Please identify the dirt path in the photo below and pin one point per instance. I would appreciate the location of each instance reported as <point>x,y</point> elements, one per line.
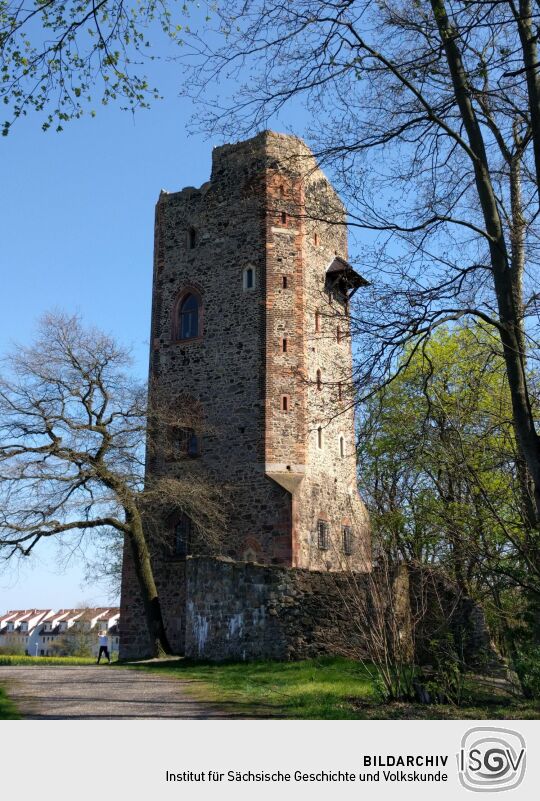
<point>84,693</point>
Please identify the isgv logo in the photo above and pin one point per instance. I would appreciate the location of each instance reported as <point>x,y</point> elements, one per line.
<point>491,759</point>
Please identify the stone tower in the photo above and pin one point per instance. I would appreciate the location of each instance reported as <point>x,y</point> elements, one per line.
<point>250,326</point>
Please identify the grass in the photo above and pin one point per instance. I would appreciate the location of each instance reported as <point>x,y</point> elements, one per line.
<point>8,710</point>
<point>311,689</point>
<point>325,689</point>
<point>317,689</point>
<point>15,659</point>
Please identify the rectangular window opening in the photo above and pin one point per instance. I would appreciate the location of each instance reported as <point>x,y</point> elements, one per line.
<point>347,540</point>
<point>284,282</point>
<point>284,345</point>
<point>323,537</point>
<point>183,532</point>
<point>284,403</point>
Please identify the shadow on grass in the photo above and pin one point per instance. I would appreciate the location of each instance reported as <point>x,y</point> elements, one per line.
<point>310,689</point>
<point>327,688</point>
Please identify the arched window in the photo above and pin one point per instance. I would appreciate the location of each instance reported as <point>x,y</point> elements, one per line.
<point>191,238</point>
<point>183,534</point>
<point>188,322</point>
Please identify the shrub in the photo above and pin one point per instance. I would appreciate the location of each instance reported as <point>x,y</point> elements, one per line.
<point>527,666</point>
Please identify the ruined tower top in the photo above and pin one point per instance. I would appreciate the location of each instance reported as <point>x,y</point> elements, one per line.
<point>250,318</point>
<point>250,324</point>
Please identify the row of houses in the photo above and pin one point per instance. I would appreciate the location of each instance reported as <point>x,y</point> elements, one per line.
<point>45,632</point>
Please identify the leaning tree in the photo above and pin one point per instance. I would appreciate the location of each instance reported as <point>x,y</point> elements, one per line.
<point>75,432</point>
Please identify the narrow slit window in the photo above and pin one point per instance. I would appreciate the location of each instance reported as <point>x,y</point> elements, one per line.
<point>338,334</point>
<point>347,540</point>
<point>316,239</point>
<point>183,532</point>
<point>281,190</point>
<point>284,345</point>
<point>284,218</point>
<point>319,437</point>
<point>284,403</point>
<point>341,447</point>
<point>249,278</point>
<point>285,282</point>
<point>317,322</point>
<point>192,238</point>
<point>319,380</point>
<point>323,535</point>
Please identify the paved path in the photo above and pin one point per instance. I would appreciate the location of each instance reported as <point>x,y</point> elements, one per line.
<point>84,693</point>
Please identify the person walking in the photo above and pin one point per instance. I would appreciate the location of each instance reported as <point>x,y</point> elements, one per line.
<point>103,647</point>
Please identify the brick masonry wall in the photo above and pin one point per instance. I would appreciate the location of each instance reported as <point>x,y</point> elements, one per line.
<point>320,468</point>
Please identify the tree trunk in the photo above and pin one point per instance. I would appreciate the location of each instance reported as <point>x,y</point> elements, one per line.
<point>143,568</point>
<point>528,38</point>
<point>505,279</point>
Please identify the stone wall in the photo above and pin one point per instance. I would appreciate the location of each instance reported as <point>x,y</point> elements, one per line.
<point>243,611</point>
<point>440,609</point>
<point>238,611</point>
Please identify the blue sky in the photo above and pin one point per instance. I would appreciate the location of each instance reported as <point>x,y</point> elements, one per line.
<point>77,214</point>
